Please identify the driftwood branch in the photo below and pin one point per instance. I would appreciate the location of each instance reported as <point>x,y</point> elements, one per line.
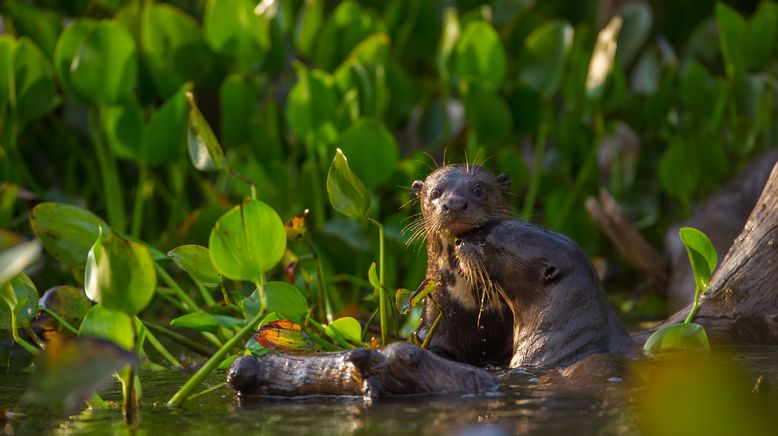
<point>741,305</point>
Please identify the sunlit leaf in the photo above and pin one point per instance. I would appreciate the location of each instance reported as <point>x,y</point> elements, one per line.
<point>15,259</point>
<point>196,261</point>
<point>66,231</point>
<point>401,299</point>
<point>282,298</point>
<point>104,67</point>
<point>372,152</point>
<point>204,150</point>
<point>348,195</point>
<point>480,55</point>
<point>603,55</point>
<point>373,276</point>
<point>406,300</point>
<point>120,274</point>
<point>311,104</point>
<point>346,328</point>
<point>545,55</point>
<point>232,29</point>
<point>247,241</point>
<point>20,296</point>
<point>284,335</point>
<point>677,337</point>
<point>702,255</point>
<point>206,322</point>
<point>113,325</point>
<point>67,46</point>
<point>309,23</point>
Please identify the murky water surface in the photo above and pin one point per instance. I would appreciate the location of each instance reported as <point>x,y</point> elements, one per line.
<point>525,404</point>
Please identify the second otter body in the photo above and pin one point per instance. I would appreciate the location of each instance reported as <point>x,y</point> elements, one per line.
<point>474,328</point>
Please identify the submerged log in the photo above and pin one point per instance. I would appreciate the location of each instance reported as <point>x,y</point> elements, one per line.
<point>397,369</point>
<point>741,305</point>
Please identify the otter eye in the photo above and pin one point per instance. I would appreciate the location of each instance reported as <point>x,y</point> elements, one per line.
<point>435,193</point>
<point>477,190</point>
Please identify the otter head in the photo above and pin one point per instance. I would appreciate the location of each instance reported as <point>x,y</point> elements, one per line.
<point>458,198</point>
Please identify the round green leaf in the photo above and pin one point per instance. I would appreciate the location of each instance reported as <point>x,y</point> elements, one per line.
<point>282,298</point>
<point>702,255</point>
<point>347,193</point>
<point>114,325</point>
<point>677,337</point>
<point>233,29</point>
<point>372,151</point>
<point>480,55</point>
<point>545,54</point>
<point>19,295</point>
<point>105,65</point>
<point>66,231</point>
<point>247,241</point>
<point>346,328</point>
<point>36,92</point>
<point>120,274</point>
<point>13,260</point>
<point>196,261</point>
<point>68,302</point>
<point>123,127</point>
<point>67,46</point>
<point>164,134</point>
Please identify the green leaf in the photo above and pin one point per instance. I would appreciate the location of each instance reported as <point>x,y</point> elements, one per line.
<point>15,259</point>
<point>282,298</point>
<point>603,55</point>
<point>346,328</point>
<point>123,128</point>
<point>480,55</point>
<point>207,322</point>
<point>113,325</point>
<point>732,27</point>
<point>68,302</point>
<point>347,193</point>
<point>104,68</point>
<point>36,92</point>
<point>309,23</point>
<point>486,113</point>
<point>703,93</point>
<point>545,55</point>
<point>407,300</point>
<point>67,46</point>
<point>448,42</point>
<point>39,24</point>
<point>7,46</point>
<point>232,29</point>
<point>348,24</point>
<point>66,231</point>
<point>196,261</point>
<point>677,337</point>
<point>20,296</point>
<point>311,104</point>
<point>238,101</point>
<point>373,276</point>
<point>120,274</point>
<point>762,36</point>
<point>247,241</point>
<point>372,152</point>
<point>702,255</point>
<point>638,20</point>
<point>204,150</point>
<point>164,134</point>
<point>401,298</point>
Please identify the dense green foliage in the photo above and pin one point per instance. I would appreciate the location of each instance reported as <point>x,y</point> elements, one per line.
<point>198,128</point>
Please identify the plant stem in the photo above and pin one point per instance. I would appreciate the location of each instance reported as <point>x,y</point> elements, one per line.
<point>140,197</point>
<point>537,166</point>
<point>161,349</point>
<point>695,306</point>
<point>205,294</point>
<point>178,399</point>
<point>114,199</point>
<point>179,338</point>
<point>189,304</point>
<point>367,324</point>
<point>382,294</point>
<point>211,389</point>
<point>325,309</point>
<point>61,321</point>
<point>20,340</point>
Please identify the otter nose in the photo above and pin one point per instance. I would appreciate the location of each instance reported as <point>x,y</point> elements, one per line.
<point>454,204</point>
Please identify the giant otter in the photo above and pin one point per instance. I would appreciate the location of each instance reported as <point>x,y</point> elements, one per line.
<point>560,312</point>
<point>475,328</point>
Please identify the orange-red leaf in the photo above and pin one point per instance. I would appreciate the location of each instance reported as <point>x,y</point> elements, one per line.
<point>285,335</point>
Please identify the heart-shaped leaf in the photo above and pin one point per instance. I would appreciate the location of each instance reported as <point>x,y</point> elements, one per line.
<point>113,325</point>
<point>346,328</point>
<point>282,298</point>
<point>247,241</point>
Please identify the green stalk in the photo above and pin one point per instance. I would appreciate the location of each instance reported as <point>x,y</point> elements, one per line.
<point>114,198</point>
<point>537,166</point>
<point>161,349</point>
<point>59,319</point>
<point>179,338</point>
<point>20,340</point>
<point>205,294</point>
<point>318,209</point>
<point>189,304</point>
<point>383,305</point>
<point>178,399</point>
<point>325,309</point>
<point>695,305</point>
<point>323,329</point>
<point>140,198</point>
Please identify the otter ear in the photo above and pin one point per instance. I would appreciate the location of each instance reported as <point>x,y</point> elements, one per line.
<point>504,180</point>
<point>416,187</point>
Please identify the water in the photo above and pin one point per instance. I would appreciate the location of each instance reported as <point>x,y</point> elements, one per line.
<point>525,405</point>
